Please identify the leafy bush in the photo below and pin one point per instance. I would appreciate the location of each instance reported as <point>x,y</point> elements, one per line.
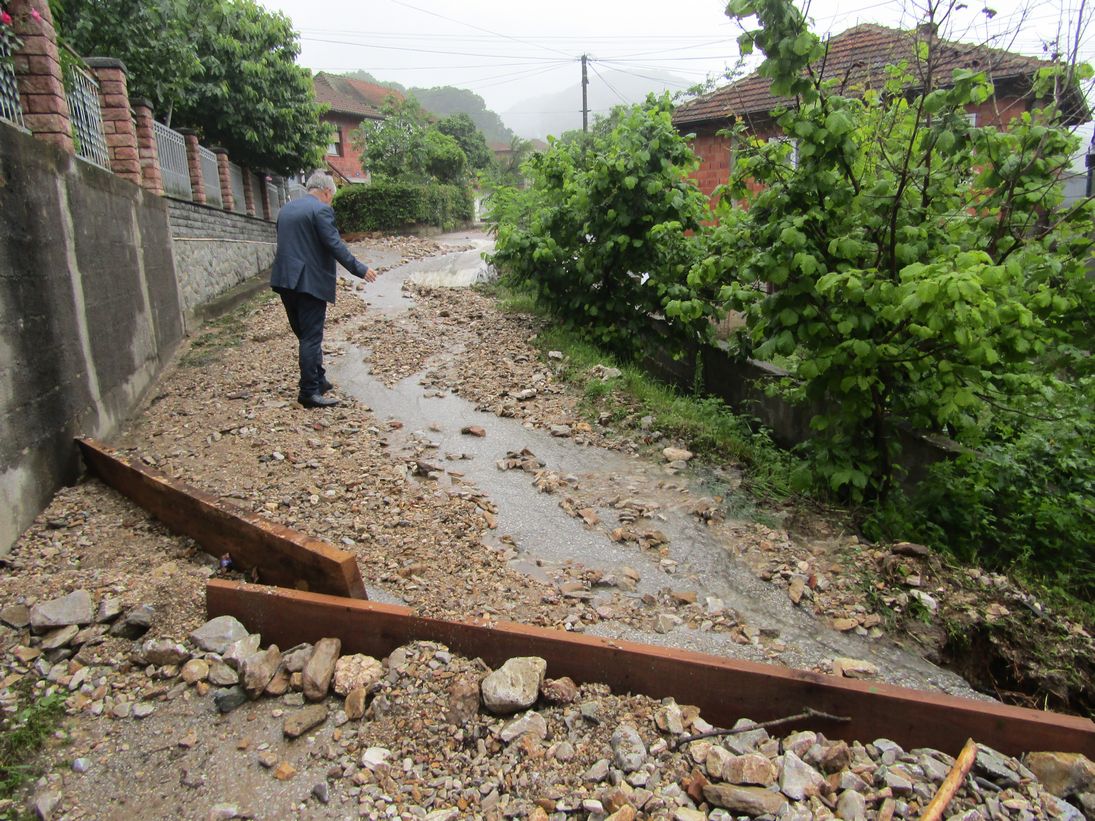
<point>392,206</point>
<point>602,233</point>
<point>1025,500</point>
<point>918,268</point>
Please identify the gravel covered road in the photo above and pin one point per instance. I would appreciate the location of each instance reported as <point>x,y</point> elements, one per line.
<point>460,473</point>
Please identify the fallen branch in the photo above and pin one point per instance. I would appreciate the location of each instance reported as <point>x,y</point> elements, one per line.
<point>951,784</point>
<point>809,712</point>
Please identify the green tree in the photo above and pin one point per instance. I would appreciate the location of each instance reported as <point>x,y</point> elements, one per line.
<point>152,37</point>
<point>471,140</point>
<point>605,233</point>
<point>405,146</point>
<point>250,96</point>
<point>919,268</point>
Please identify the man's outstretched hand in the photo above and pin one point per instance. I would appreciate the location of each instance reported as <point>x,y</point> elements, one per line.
<point>369,275</point>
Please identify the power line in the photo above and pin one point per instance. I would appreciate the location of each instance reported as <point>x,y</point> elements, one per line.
<point>477,28</point>
<point>613,88</point>
<point>431,50</point>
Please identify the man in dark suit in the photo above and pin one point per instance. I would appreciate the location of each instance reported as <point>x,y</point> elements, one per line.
<point>305,277</point>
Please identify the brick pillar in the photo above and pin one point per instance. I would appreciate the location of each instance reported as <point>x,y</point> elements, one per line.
<point>38,74</point>
<point>267,212</point>
<point>249,191</point>
<point>118,127</point>
<point>194,166</point>
<point>228,200</point>
<point>147,150</point>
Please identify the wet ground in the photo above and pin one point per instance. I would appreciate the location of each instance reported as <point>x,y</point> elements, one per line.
<point>539,534</point>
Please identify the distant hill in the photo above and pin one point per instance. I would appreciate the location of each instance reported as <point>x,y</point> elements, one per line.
<point>537,117</point>
<point>445,100</point>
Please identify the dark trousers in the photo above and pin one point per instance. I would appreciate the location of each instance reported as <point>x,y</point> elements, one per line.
<point>306,317</point>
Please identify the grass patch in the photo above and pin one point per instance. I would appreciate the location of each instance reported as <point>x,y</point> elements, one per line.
<point>711,430</point>
<point>22,736</point>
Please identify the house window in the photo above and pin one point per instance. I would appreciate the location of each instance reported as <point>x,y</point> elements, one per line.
<point>335,148</point>
<point>971,117</point>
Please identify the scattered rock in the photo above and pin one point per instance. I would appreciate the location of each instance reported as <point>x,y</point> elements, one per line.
<point>319,670</point>
<point>744,800</point>
<point>798,780</point>
<point>676,454</point>
<point>559,690</point>
<point>163,652</point>
<point>514,686</point>
<point>221,675</point>
<point>16,615</point>
<point>354,705</point>
<point>463,700</point>
<point>135,623</point>
<point>352,672</point>
<point>241,649</point>
<point>75,608</point>
<point>228,699</point>
<point>628,749</point>
<point>473,430</point>
<point>531,722</point>
<point>854,668</point>
<point>301,721</point>
<point>258,669</point>
<point>1063,774</point>
<point>217,635</point>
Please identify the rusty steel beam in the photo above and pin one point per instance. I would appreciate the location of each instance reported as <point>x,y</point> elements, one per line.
<point>724,689</point>
<point>276,554</point>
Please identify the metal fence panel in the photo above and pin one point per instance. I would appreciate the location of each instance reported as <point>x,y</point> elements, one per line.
<point>86,115</point>
<point>174,170</point>
<point>256,192</point>
<point>211,177</point>
<point>10,109</point>
<point>275,199</point>
<point>235,173</point>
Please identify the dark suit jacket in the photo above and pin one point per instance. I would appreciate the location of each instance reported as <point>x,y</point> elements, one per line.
<point>308,246</point>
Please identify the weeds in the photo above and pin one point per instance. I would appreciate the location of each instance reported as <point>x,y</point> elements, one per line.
<point>221,334</point>
<point>22,735</point>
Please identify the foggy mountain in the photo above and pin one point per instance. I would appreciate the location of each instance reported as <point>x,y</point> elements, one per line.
<point>561,111</point>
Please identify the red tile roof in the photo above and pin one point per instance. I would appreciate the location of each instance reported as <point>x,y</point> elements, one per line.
<point>859,56</point>
<point>346,95</point>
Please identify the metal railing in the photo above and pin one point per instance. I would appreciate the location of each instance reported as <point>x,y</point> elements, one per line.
<point>87,117</point>
<point>275,199</point>
<point>211,177</point>
<point>10,109</point>
<point>235,173</point>
<point>174,169</point>
<point>296,190</point>
<point>256,192</point>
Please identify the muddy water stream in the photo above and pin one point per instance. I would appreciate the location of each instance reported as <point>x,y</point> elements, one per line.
<point>700,556</point>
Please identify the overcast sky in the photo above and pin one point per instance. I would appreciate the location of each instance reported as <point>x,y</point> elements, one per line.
<point>507,51</point>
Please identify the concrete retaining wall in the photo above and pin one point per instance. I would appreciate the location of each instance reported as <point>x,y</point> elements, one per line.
<point>216,250</point>
<point>90,312</point>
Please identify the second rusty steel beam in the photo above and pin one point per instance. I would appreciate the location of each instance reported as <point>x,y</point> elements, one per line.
<point>276,554</point>
<point>724,689</point>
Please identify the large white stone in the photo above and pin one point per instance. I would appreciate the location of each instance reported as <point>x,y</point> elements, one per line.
<point>513,686</point>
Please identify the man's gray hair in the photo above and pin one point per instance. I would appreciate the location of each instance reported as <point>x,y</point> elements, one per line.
<point>319,181</point>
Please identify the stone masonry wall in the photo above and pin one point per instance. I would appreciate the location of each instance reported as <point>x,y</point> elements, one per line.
<point>216,250</point>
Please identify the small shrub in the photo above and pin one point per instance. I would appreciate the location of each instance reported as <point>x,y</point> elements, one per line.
<point>386,205</point>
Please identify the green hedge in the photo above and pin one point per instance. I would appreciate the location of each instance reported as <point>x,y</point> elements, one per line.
<point>391,206</point>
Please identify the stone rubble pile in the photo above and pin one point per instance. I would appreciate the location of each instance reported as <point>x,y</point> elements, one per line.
<point>425,733</point>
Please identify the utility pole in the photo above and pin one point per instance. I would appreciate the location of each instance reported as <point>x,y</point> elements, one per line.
<point>585,95</point>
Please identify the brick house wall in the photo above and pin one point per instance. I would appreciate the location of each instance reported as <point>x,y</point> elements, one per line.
<point>348,163</point>
<point>715,154</point>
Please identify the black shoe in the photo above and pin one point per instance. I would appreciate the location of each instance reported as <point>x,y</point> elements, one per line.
<point>326,386</point>
<point>316,400</point>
